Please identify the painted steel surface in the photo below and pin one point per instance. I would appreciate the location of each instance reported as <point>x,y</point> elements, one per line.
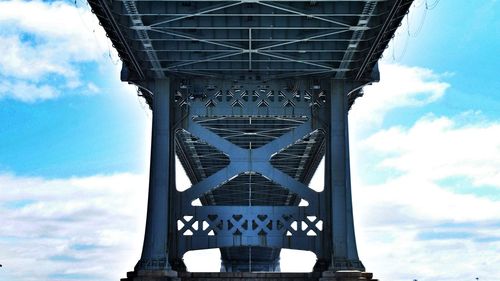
<point>250,95</point>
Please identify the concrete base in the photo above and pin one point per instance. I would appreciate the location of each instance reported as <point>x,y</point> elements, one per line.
<point>341,275</point>
<point>151,275</point>
<point>346,275</point>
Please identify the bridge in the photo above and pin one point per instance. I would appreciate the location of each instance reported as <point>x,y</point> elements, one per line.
<point>250,95</point>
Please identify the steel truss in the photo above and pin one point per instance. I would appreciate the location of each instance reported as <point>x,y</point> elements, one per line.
<point>250,150</point>
<point>250,95</point>
<point>253,200</point>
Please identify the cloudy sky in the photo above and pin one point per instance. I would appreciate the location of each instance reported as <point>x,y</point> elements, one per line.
<point>74,150</point>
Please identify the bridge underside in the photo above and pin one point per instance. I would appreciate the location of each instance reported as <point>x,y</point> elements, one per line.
<point>256,39</point>
<point>250,95</point>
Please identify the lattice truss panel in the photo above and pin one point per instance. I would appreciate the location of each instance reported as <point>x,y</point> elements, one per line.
<point>265,226</point>
<point>250,151</point>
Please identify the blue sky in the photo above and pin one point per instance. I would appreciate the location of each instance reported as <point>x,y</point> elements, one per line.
<point>74,145</point>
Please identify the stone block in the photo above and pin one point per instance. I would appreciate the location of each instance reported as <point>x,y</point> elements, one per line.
<point>348,274</point>
<point>157,273</point>
<point>367,275</point>
<point>342,275</point>
<point>330,274</point>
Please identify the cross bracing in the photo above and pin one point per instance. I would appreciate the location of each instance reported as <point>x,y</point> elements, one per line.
<point>250,189</point>
<point>229,124</point>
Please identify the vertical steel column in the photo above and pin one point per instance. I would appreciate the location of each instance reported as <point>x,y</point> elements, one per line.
<point>154,252</point>
<point>344,252</point>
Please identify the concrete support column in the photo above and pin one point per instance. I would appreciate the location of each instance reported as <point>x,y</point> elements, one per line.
<point>154,252</point>
<point>344,254</point>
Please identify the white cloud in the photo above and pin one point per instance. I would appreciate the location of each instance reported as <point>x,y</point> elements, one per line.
<point>93,87</point>
<point>409,200</point>
<point>74,31</point>
<point>46,43</point>
<point>27,92</point>
<point>421,208</point>
<point>399,86</point>
<point>30,60</point>
<point>411,228</point>
<point>437,148</point>
<point>49,226</point>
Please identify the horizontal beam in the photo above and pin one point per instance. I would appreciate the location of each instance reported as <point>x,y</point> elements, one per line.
<point>245,14</point>
<point>256,70</point>
<point>244,27</point>
<point>239,60</point>
<point>254,40</point>
<point>251,1</point>
<point>300,13</point>
<point>267,51</point>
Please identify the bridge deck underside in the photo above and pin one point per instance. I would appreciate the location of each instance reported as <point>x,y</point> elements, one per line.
<point>268,39</point>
